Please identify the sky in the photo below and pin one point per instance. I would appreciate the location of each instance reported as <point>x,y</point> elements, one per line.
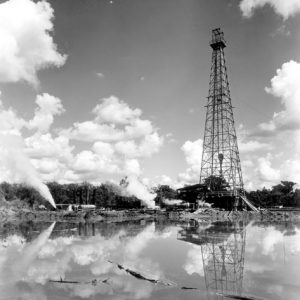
<point>95,90</point>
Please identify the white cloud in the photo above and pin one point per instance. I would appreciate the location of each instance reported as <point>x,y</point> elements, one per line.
<point>111,153</point>
<point>85,161</point>
<point>281,134</point>
<point>253,146</point>
<point>10,123</point>
<point>48,107</point>
<point>89,162</point>
<point>290,169</point>
<point>46,146</point>
<point>285,85</point>
<point>127,148</point>
<point>265,170</point>
<point>149,145</point>
<point>138,128</point>
<point>193,152</point>
<point>132,167</point>
<point>193,157</point>
<point>116,150</point>
<point>45,165</point>
<point>284,8</point>
<point>102,148</point>
<point>120,139</point>
<point>116,111</point>
<point>51,156</point>
<point>90,131</point>
<point>25,41</point>
<point>164,180</point>
<point>15,166</point>
<point>114,121</point>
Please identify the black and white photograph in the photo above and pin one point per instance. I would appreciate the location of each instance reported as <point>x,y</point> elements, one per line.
<point>149,149</point>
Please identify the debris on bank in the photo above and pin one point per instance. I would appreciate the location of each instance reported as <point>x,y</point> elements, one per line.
<point>142,277</point>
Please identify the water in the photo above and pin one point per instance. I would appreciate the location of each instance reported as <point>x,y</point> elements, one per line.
<point>87,261</point>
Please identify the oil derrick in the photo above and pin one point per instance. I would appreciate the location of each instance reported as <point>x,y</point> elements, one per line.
<point>221,181</point>
<point>222,249</point>
<point>220,166</point>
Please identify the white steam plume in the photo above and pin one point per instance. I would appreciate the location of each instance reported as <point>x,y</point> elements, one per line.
<point>16,166</point>
<point>139,190</point>
<point>171,201</point>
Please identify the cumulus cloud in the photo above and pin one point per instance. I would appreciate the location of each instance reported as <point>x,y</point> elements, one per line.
<point>47,146</point>
<point>116,111</point>
<point>120,139</point>
<point>193,157</point>
<point>285,85</point>
<point>281,135</point>
<point>102,148</point>
<point>115,121</point>
<point>265,170</point>
<point>193,152</point>
<point>10,123</point>
<point>253,146</point>
<point>25,40</point>
<point>284,8</point>
<point>89,162</point>
<point>149,144</point>
<point>48,107</point>
<point>31,159</point>
<point>119,143</point>
<point>15,164</point>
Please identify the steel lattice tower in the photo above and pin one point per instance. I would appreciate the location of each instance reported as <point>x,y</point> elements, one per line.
<point>220,156</point>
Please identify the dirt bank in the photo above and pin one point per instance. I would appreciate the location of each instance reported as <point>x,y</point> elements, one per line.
<point>11,214</point>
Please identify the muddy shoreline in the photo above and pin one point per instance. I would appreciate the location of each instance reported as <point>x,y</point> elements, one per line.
<point>9,214</point>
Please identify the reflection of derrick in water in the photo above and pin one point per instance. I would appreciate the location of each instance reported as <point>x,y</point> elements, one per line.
<point>222,248</point>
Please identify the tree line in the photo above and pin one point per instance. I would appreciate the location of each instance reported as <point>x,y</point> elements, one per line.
<point>109,195</point>
<point>282,194</point>
<point>106,195</point>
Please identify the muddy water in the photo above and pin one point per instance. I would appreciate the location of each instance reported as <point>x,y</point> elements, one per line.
<point>146,260</point>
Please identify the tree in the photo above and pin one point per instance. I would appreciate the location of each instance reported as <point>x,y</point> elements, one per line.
<point>165,191</point>
<point>216,183</point>
<point>285,187</point>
